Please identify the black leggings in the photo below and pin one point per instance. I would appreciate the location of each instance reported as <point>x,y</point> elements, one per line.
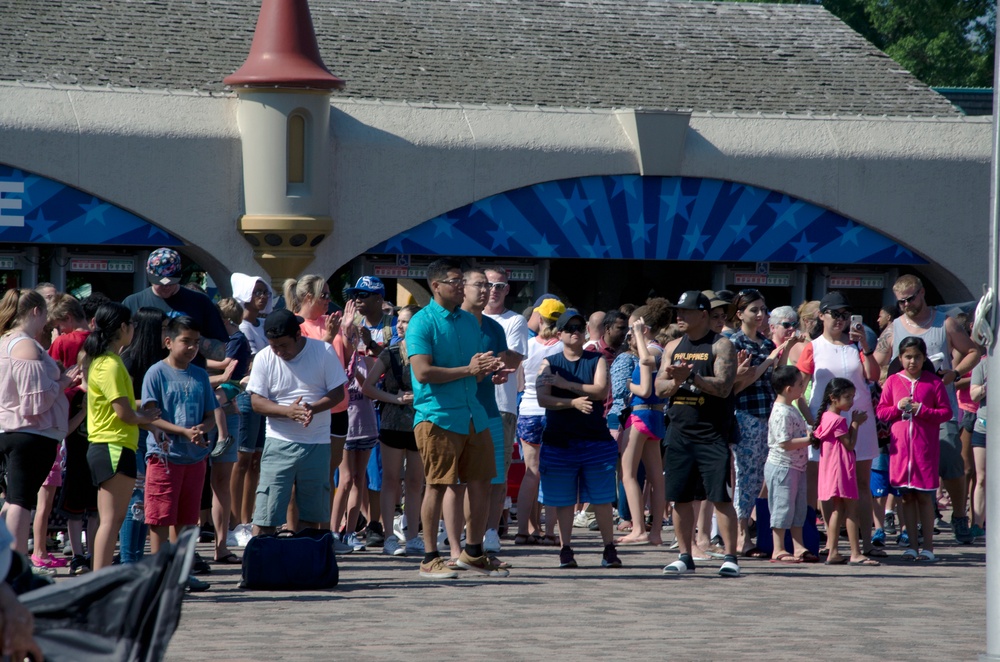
<point>28,459</point>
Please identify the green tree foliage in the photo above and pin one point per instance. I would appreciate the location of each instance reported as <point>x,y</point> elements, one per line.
<point>944,43</point>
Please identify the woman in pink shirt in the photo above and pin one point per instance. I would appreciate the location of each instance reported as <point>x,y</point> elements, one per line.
<point>34,414</point>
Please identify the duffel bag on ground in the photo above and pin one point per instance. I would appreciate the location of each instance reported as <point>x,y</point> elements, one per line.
<point>290,562</point>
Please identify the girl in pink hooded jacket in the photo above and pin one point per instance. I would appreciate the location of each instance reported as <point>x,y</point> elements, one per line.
<point>914,401</point>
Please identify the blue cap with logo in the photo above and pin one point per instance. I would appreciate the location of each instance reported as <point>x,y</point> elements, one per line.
<point>371,284</point>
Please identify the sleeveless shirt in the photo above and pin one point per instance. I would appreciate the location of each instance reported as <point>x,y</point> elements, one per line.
<point>563,426</point>
<point>693,414</point>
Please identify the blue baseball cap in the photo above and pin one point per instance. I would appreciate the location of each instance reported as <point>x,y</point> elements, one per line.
<point>372,284</point>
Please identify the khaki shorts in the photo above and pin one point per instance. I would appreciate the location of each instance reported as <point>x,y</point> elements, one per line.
<point>449,457</point>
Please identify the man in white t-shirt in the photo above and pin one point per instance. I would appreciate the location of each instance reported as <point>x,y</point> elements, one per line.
<point>294,382</point>
<point>516,329</point>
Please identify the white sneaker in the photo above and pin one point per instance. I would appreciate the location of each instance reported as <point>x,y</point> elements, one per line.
<point>415,547</point>
<point>351,540</point>
<point>491,541</point>
<point>392,548</point>
<point>583,519</point>
<point>399,526</point>
<point>231,539</point>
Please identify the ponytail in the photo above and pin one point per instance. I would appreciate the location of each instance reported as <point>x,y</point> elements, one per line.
<point>297,290</point>
<point>16,305</point>
<point>107,325</point>
<point>837,387</point>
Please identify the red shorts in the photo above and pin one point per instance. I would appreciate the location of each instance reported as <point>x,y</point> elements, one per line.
<point>173,492</point>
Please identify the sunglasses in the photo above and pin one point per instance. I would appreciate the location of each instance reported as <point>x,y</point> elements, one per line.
<point>361,296</point>
<point>907,300</point>
<point>790,325</point>
<point>261,293</point>
<point>497,286</point>
<point>325,296</point>
<point>574,328</point>
<point>839,314</point>
<point>750,293</point>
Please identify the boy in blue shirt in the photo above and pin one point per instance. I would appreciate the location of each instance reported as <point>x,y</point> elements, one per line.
<point>175,469</point>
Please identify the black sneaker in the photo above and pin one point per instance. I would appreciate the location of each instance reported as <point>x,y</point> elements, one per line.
<point>566,559</point>
<point>890,523</point>
<point>960,527</point>
<point>610,559</point>
<point>79,565</point>
<point>375,535</point>
<point>593,526</point>
<point>200,566</point>
<point>717,541</point>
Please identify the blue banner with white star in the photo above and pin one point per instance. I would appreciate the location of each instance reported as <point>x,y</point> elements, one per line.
<point>649,218</point>
<point>38,210</point>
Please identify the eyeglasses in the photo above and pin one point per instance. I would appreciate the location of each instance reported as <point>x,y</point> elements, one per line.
<point>497,286</point>
<point>454,282</point>
<point>790,325</point>
<point>573,328</point>
<point>479,286</point>
<point>362,295</point>
<point>907,300</point>
<point>839,314</point>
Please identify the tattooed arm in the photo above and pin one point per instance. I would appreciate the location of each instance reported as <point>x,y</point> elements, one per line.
<point>721,384</point>
<point>212,349</point>
<point>883,349</point>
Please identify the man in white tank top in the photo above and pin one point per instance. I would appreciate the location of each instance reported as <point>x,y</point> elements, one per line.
<point>943,336</point>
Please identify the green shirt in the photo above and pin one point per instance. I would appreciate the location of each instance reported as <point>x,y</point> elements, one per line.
<point>450,339</point>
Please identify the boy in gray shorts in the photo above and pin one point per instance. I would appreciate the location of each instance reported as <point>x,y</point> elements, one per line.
<point>785,469</point>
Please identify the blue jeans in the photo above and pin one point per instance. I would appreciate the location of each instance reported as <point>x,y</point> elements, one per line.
<point>132,537</point>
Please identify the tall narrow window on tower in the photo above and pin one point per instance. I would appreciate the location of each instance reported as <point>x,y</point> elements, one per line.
<point>296,148</point>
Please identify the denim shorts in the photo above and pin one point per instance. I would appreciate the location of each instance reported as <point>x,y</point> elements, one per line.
<point>583,472</point>
<point>284,464</point>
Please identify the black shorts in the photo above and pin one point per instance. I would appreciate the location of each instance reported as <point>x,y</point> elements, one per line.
<point>403,440</point>
<point>697,471</point>
<point>106,460</point>
<point>338,424</point>
<point>78,494</point>
<point>28,461</point>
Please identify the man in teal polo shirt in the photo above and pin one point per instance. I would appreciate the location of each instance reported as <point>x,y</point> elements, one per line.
<point>445,346</point>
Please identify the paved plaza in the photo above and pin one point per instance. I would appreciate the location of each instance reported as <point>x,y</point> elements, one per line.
<point>382,610</point>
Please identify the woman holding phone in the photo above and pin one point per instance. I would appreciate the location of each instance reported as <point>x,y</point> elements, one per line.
<point>842,350</point>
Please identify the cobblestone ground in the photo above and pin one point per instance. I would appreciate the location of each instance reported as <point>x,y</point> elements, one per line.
<point>382,610</point>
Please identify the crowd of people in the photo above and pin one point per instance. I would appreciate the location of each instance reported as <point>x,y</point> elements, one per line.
<point>396,428</point>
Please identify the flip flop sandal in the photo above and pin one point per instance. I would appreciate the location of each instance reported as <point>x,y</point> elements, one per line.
<point>229,559</point>
<point>877,553</point>
<point>754,553</point>
<point>786,558</point>
<point>622,542</point>
<point>841,561</point>
<point>867,562</point>
<point>809,557</point>
<point>524,539</point>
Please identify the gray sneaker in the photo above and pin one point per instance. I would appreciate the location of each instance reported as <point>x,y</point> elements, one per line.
<point>392,547</point>
<point>351,540</point>
<point>339,547</point>
<point>960,527</point>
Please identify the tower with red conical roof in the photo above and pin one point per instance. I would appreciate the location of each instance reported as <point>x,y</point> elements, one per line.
<point>284,118</point>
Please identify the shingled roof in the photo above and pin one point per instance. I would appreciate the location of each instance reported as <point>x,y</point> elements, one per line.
<point>704,56</point>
